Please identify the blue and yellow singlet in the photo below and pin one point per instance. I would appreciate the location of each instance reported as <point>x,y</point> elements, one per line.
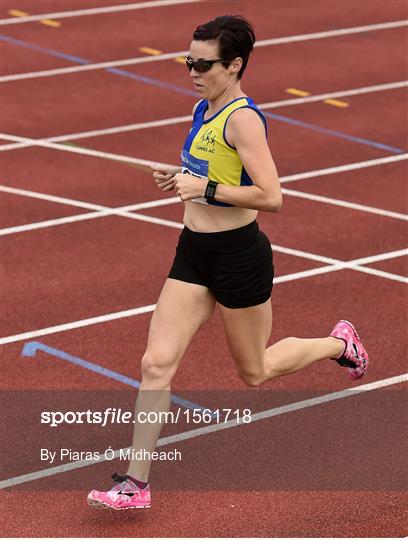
<point>207,154</point>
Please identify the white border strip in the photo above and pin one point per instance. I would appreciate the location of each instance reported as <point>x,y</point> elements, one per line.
<point>97,11</point>
<point>193,433</point>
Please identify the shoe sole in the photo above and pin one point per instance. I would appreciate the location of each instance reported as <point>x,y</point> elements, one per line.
<point>365,352</point>
<point>99,505</point>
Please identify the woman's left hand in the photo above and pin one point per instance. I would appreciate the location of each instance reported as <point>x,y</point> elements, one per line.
<point>189,187</point>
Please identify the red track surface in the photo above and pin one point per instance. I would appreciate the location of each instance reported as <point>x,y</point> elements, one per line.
<point>330,470</point>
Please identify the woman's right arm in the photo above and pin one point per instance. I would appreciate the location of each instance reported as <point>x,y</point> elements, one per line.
<point>163,176</point>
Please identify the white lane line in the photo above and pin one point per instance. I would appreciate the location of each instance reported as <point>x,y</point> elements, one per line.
<point>148,163</point>
<point>186,435</point>
<point>330,95</point>
<point>103,210</point>
<point>78,324</point>
<point>345,204</point>
<point>85,151</point>
<point>344,168</point>
<point>183,119</point>
<point>103,132</point>
<point>168,56</point>
<point>337,265</point>
<point>96,11</point>
<point>332,33</point>
<point>152,204</point>
<point>163,202</point>
<point>91,67</point>
<point>79,217</point>
<point>333,266</point>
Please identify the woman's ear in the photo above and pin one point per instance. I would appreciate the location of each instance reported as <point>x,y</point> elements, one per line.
<point>236,65</point>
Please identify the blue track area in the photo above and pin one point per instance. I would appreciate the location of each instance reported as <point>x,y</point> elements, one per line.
<point>31,348</point>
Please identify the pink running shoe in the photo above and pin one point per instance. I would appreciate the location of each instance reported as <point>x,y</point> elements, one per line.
<point>354,357</point>
<point>124,495</point>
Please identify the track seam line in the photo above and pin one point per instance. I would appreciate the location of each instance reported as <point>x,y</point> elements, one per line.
<point>186,435</point>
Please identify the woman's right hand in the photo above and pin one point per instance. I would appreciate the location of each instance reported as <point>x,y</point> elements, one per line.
<point>163,176</point>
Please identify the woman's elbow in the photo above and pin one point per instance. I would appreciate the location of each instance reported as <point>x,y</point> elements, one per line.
<point>275,203</point>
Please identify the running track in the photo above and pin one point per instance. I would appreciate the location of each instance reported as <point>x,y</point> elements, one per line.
<point>88,240</point>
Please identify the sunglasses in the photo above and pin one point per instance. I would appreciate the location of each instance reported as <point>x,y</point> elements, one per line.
<point>201,65</point>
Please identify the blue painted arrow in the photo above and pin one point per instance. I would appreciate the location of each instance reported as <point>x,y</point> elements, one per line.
<point>31,348</point>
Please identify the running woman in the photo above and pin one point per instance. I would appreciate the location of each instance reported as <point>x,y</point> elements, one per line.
<point>227,175</point>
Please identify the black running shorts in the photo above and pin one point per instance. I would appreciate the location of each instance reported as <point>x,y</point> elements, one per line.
<point>236,265</point>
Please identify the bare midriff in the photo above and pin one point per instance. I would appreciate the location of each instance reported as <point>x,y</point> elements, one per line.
<point>209,218</point>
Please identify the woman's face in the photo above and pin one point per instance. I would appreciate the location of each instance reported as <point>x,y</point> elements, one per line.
<point>214,82</point>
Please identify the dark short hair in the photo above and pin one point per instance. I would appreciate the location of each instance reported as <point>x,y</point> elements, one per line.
<point>235,37</point>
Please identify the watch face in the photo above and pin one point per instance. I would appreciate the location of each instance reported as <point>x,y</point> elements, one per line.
<point>211,191</point>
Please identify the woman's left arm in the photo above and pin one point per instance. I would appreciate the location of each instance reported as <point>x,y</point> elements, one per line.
<point>246,132</point>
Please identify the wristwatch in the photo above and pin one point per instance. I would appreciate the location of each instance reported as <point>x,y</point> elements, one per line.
<point>210,190</point>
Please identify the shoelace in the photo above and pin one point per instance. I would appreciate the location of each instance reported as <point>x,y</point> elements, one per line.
<point>121,483</point>
<point>118,479</point>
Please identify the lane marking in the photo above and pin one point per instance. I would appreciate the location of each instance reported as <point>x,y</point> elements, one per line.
<point>344,168</point>
<point>188,118</point>
<point>149,50</point>
<point>160,84</point>
<point>30,350</point>
<point>47,22</point>
<point>334,133</point>
<point>50,22</point>
<point>345,204</point>
<point>297,92</point>
<point>329,95</point>
<point>115,71</point>
<point>168,56</point>
<point>17,13</point>
<point>83,151</point>
<point>96,11</point>
<point>102,211</point>
<point>162,202</point>
<point>333,33</point>
<point>155,52</point>
<point>79,324</point>
<point>212,428</point>
<point>336,103</point>
<point>147,163</point>
<point>333,266</point>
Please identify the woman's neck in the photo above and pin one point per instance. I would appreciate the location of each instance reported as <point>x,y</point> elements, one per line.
<point>228,95</point>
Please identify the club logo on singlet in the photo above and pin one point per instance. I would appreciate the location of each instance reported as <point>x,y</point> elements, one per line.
<point>207,141</point>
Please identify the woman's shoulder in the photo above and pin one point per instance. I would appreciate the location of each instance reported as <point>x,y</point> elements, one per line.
<point>199,105</point>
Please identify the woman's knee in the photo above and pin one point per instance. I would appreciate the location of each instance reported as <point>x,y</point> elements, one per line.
<point>251,377</point>
<point>158,368</point>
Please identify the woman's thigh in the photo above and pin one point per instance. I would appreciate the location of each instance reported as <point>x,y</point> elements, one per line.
<point>247,331</point>
<point>181,310</point>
